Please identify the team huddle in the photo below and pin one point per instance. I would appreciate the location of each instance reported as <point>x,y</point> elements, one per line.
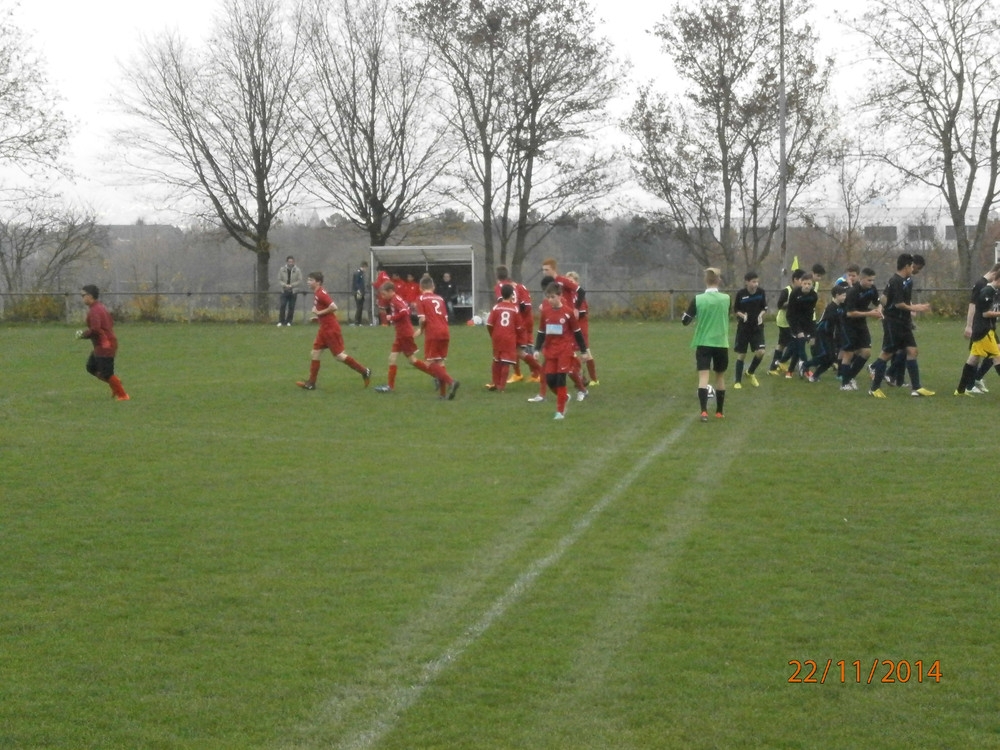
<point>840,339</point>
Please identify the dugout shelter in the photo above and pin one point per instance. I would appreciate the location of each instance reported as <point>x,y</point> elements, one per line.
<point>458,260</point>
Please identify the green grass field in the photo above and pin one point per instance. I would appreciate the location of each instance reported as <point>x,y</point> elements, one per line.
<point>227,561</point>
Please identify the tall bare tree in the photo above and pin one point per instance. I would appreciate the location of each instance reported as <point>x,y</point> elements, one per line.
<point>936,105</point>
<point>530,83</point>
<point>711,152</point>
<point>33,130</point>
<point>220,124</point>
<point>379,146</point>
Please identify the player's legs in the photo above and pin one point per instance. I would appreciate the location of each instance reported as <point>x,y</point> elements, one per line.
<point>557,382</point>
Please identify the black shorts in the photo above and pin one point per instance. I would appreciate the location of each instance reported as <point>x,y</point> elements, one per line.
<point>101,367</point>
<point>784,336</point>
<point>858,337</point>
<point>752,340</point>
<point>896,336</point>
<point>715,358</point>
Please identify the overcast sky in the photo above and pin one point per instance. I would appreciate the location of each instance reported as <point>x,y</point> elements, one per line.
<point>84,42</point>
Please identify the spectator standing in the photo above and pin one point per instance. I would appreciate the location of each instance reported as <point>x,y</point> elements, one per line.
<point>290,279</point>
<point>449,294</point>
<point>359,288</point>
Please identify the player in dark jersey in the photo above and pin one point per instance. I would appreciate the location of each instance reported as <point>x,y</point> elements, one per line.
<point>863,302</point>
<point>829,335</point>
<point>897,328</point>
<point>749,306</point>
<point>801,310</point>
<point>781,321</point>
<point>895,373</point>
<point>984,366</point>
<point>983,337</point>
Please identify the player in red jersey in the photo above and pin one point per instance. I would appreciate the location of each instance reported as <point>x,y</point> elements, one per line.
<point>101,332</point>
<point>570,289</point>
<point>377,284</point>
<point>583,312</point>
<point>573,295</point>
<point>329,335</point>
<point>504,327</point>
<point>558,338</point>
<point>398,313</point>
<point>432,314</point>
<point>522,299</point>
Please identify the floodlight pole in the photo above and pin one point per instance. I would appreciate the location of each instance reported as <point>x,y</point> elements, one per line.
<point>782,151</point>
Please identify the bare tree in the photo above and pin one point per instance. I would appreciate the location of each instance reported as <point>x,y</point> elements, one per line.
<point>860,186</point>
<point>220,124</point>
<point>379,145</point>
<point>530,84</point>
<point>936,105</point>
<point>40,243</point>
<point>33,132</point>
<point>711,152</point>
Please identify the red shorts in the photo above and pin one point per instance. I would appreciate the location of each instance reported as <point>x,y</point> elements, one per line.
<point>436,348</point>
<point>560,363</point>
<point>404,344</point>
<point>505,351</point>
<point>332,340</point>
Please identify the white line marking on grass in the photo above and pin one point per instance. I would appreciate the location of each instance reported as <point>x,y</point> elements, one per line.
<point>402,697</point>
<point>630,604</point>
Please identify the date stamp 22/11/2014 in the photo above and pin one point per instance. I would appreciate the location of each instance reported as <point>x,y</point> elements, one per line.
<point>883,671</point>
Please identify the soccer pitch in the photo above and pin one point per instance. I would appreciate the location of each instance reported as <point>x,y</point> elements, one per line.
<point>228,561</point>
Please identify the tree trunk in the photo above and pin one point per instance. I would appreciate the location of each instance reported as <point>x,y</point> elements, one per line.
<point>262,302</point>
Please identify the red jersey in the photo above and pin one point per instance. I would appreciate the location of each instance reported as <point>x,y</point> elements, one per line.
<point>409,291</point>
<point>380,280</point>
<point>559,327</point>
<point>522,300</point>
<point>504,325</point>
<point>433,313</point>
<point>569,290</point>
<point>398,313</point>
<point>101,331</point>
<point>323,301</point>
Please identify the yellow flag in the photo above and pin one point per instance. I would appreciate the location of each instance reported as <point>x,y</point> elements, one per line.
<point>795,262</point>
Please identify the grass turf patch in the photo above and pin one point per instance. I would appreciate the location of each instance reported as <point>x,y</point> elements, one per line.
<point>230,561</point>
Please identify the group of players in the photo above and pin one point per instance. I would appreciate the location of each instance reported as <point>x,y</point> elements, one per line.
<point>560,337</point>
<point>840,337</point>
